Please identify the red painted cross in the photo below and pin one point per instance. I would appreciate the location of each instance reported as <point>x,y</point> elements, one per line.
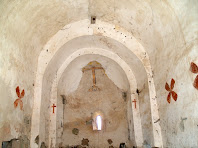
<point>53,107</point>
<point>134,102</point>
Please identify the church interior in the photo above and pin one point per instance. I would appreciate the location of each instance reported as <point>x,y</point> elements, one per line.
<point>99,74</point>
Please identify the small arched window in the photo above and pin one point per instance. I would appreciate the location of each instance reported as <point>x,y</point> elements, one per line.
<point>99,122</point>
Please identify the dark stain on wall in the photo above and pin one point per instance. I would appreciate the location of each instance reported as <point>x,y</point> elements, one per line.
<point>85,142</point>
<point>21,142</point>
<point>75,131</point>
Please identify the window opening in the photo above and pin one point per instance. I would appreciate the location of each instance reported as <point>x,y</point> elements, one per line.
<point>99,122</point>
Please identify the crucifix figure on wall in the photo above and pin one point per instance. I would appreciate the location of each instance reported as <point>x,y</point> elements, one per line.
<point>94,87</point>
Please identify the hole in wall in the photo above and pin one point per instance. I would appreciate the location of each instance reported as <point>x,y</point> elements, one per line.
<point>93,19</point>
<point>122,145</point>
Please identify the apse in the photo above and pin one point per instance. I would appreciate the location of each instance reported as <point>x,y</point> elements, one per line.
<point>96,108</point>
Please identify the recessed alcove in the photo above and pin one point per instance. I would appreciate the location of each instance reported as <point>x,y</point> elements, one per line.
<point>107,103</point>
<point>69,62</point>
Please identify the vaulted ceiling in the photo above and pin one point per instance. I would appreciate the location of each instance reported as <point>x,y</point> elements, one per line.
<point>166,29</point>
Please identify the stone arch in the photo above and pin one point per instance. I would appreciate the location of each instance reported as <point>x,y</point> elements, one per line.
<point>71,31</point>
<point>131,79</point>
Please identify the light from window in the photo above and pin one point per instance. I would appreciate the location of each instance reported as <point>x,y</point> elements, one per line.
<point>99,122</point>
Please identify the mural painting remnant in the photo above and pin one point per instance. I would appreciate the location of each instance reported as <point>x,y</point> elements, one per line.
<point>93,68</point>
<point>171,92</point>
<point>194,69</point>
<point>20,96</point>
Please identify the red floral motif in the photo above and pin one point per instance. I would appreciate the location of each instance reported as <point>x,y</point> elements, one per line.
<point>20,96</point>
<point>194,69</point>
<point>171,92</point>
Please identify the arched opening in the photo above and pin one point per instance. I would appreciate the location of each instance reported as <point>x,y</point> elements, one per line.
<point>46,59</point>
<point>90,111</point>
<point>99,122</point>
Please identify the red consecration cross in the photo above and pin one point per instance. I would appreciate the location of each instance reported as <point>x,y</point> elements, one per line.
<point>170,90</point>
<point>53,107</point>
<point>20,96</point>
<point>134,102</point>
<point>194,69</point>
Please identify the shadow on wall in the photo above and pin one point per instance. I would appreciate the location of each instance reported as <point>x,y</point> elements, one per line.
<point>21,142</point>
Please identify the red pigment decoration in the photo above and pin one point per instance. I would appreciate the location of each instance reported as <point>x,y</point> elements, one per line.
<point>53,107</point>
<point>195,84</point>
<point>171,92</point>
<point>194,69</point>
<point>20,96</point>
<point>134,102</point>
